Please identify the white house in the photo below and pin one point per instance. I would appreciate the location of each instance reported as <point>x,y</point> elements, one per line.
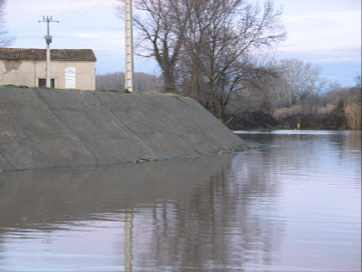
<point>70,68</point>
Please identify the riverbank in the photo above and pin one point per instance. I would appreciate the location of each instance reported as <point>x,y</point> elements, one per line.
<point>336,110</point>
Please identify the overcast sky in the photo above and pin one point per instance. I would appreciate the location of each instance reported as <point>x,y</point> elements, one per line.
<point>324,32</point>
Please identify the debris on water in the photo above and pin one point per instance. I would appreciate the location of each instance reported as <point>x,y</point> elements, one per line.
<point>144,160</point>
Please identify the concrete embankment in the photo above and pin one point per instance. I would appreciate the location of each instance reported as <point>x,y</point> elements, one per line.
<point>59,128</point>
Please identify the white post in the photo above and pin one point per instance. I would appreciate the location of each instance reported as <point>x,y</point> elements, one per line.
<point>129,46</point>
<point>48,40</point>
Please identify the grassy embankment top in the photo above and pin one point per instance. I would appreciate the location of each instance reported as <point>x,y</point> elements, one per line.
<point>26,87</point>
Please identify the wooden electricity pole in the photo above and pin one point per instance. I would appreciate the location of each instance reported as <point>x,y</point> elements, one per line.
<point>129,46</point>
<point>48,40</point>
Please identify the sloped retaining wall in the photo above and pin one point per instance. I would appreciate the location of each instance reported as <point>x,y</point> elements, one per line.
<point>59,128</point>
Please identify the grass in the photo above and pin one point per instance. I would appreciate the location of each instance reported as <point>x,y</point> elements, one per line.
<point>23,86</point>
<point>243,149</point>
<point>114,91</point>
<point>14,86</point>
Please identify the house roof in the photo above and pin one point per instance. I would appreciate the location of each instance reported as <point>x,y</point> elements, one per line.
<point>40,54</point>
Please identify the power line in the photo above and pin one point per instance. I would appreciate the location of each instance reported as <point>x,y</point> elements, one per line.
<point>74,13</point>
<point>70,10</point>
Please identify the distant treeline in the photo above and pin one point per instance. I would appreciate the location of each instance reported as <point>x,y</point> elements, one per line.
<point>289,92</point>
<point>337,109</point>
<point>115,81</point>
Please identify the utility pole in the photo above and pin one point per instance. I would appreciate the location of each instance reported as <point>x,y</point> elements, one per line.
<point>48,40</point>
<point>129,46</point>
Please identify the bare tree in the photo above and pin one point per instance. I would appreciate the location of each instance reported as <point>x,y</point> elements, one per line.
<point>357,81</point>
<point>162,25</point>
<point>287,82</point>
<point>302,79</point>
<point>297,80</point>
<point>220,37</point>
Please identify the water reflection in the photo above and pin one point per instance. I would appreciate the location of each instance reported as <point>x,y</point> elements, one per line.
<point>128,235</point>
<point>35,199</point>
<point>293,204</point>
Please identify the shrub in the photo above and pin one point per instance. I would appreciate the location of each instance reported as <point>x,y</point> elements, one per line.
<point>14,86</point>
<point>352,111</point>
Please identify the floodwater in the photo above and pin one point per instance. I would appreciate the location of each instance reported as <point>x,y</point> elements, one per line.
<point>292,204</point>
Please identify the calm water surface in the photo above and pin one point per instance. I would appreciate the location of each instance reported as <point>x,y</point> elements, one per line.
<point>293,204</point>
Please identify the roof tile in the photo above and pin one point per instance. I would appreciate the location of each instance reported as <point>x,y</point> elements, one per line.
<point>40,54</point>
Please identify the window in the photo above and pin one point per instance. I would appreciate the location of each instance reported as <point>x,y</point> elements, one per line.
<point>42,82</point>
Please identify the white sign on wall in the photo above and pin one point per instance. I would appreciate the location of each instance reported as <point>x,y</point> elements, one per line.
<point>70,77</point>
